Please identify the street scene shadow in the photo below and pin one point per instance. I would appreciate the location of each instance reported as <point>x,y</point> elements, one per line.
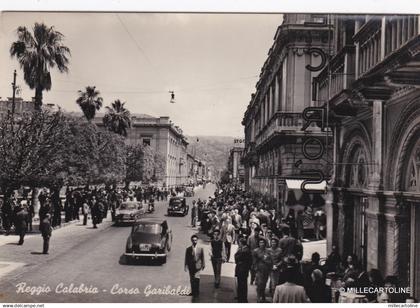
<point>130,262</point>
<point>36,253</point>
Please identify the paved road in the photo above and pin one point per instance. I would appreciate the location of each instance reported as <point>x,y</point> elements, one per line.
<point>93,257</point>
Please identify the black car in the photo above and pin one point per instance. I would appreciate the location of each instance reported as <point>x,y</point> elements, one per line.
<point>150,238</point>
<point>178,205</point>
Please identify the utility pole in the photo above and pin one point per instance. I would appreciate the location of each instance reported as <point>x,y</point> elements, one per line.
<point>14,93</point>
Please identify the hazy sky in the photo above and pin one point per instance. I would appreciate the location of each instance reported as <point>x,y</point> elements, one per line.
<point>211,61</point>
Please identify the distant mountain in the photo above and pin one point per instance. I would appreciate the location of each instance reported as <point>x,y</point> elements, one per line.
<point>212,149</point>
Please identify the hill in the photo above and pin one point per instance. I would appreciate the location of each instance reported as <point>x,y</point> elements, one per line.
<point>212,149</point>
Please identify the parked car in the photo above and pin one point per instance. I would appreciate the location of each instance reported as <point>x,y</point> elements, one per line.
<point>150,238</point>
<point>129,212</point>
<point>178,205</point>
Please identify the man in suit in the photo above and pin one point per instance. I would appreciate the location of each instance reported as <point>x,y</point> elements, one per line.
<point>194,263</point>
<point>243,260</point>
<point>21,222</point>
<point>46,230</point>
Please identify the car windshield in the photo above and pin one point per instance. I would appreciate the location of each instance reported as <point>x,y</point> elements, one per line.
<point>148,228</point>
<point>127,206</point>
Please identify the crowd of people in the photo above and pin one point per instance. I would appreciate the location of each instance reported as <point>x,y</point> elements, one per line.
<point>18,212</point>
<point>270,251</point>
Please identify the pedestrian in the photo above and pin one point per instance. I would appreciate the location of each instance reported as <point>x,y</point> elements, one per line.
<point>262,264</point>
<point>318,292</point>
<point>217,256</point>
<point>21,222</point>
<point>299,225</point>
<point>46,232</point>
<point>95,212</point>
<point>194,264</point>
<point>31,214</point>
<point>291,222</point>
<point>276,256</point>
<point>243,260</point>
<point>290,292</point>
<point>194,213</point>
<point>228,234</point>
<point>253,244</point>
<point>85,210</point>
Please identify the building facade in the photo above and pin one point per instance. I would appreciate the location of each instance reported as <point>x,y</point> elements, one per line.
<point>367,84</point>
<point>273,121</point>
<point>21,106</point>
<point>372,87</point>
<point>235,165</point>
<point>166,139</point>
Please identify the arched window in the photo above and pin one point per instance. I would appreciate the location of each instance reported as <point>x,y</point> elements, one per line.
<point>413,180</point>
<point>359,169</point>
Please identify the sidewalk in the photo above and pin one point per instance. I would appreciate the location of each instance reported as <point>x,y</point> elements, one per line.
<point>13,238</point>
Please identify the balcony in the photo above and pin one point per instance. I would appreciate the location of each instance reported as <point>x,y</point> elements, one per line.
<point>286,124</point>
<point>388,55</point>
<point>342,75</point>
<point>379,38</point>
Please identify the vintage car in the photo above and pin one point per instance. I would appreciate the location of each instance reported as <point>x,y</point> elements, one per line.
<point>150,238</point>
<point>129,212</point>
<point>177,205</point>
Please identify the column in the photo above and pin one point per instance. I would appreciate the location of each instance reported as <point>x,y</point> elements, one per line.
<point>383,38</point>
<point>377,146</point>
<point>331,212</point>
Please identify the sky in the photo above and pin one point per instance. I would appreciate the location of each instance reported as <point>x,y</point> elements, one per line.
<point>210,61</point>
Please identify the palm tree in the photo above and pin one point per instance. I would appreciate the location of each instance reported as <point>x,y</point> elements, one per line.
<point>37,53</point>
<point>89,101</point>
<point>117,118</point>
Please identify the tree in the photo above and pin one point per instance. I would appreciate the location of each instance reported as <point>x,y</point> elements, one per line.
<point>225,177</point>
<point>135,157</point>
<point>117,119</point>
<point>31,148</point>
<point>37,53</point>
<point>89,101</point>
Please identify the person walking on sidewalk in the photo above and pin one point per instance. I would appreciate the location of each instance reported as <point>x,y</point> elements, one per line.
<point>262,263</point>
<point>46,231</point>
<point>228,235</point>
<point>217,255</point>
<point>95,212</point>
<point>194,213</point>
<point>85,210</point>
<point>243,260</point>
<point>21,222</point>
<point>194,263</point>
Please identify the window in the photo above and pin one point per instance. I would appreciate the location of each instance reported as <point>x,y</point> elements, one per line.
<point>359,171</point>
<point>413,181</point>
<point>146,142</point>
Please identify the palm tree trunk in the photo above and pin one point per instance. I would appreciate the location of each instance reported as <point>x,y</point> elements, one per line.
<point>38,98</point>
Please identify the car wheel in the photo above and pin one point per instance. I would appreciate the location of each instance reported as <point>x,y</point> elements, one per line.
<point>163,260</point>
<point>129,260</point>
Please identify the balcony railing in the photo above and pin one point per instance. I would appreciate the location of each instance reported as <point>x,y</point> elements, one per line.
<point>398,30</point>
<point>283,122</point>
<point>342,75</point>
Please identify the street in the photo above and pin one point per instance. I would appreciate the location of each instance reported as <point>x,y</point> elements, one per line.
<point>87,265</point>
<point>94,258</point>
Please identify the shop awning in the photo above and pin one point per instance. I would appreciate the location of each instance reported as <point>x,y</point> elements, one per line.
<point>296,184</point>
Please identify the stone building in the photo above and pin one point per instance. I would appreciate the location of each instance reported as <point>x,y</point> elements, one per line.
<point>235,165</point>
<point>21,106</point>
<point>273,120</point>
<point>372,88</point>
<point>166,139</point>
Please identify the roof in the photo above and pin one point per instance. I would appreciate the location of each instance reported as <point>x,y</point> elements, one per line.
<point>150,220</point>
